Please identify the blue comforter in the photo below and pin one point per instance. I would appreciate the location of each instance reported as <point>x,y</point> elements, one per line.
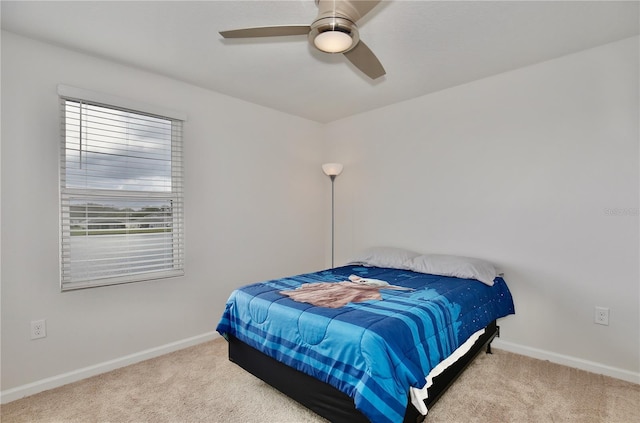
<point>374,350</point>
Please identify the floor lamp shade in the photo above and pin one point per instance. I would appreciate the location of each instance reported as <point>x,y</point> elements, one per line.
<point>332,170</point>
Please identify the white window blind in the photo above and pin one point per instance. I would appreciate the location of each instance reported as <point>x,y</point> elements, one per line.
<point>121,188</point>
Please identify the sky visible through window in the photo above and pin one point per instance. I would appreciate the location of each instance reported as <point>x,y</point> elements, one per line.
<point>118,150</point>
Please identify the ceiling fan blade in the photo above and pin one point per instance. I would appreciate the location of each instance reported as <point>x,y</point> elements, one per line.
<point>267,31</point>
<point>364,59</point>
<point>362,7</point>
<point>353,10</point>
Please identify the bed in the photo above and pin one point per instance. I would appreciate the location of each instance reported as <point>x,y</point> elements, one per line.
<point>373,340</point>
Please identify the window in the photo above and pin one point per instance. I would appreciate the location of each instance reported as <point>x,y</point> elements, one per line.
<point>121,193</point>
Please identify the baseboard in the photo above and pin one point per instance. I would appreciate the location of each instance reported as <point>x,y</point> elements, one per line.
<point>566,360</point>
<point>76,375</point>
<point>79,374</point>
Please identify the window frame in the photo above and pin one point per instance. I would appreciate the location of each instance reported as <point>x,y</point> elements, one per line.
<point>175,196</point>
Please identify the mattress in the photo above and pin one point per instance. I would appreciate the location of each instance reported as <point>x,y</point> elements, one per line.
<point>381,338</point>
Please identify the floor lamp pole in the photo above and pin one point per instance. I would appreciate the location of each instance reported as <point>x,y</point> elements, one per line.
<point>333,178</point>
<point>332,170</point>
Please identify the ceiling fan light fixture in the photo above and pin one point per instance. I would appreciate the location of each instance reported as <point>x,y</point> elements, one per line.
<point>334,34</point>
<point>333,41</point>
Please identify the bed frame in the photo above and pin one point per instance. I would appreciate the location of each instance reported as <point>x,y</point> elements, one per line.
<point>328,401</point>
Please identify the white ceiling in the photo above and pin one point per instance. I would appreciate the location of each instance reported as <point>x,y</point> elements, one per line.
<point>425,46</point>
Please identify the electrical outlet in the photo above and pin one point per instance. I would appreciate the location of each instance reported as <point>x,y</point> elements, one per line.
<point>38,329</point>
<point>602,316</point>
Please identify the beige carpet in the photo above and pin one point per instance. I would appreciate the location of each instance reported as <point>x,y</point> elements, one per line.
<point>199,384</point>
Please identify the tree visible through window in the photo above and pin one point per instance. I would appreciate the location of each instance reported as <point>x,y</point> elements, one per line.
<point>121,195</point>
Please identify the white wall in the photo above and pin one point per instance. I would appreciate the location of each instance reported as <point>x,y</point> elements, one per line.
<point>522,169</point>
<point>252,179</point>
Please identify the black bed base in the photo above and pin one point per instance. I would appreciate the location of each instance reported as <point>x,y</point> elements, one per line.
<point>331,403</point>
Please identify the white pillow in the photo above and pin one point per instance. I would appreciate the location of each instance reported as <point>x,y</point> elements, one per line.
<point>456,266</point>
<point>396,258</point>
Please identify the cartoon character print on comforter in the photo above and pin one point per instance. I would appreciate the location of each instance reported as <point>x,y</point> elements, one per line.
<point>338,294</point>
<point>373,350</point>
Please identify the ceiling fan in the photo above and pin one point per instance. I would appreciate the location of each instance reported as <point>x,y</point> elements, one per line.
<point>333,31</point>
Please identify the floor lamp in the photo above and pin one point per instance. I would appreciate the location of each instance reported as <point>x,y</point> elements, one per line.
<point>332,170</point>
